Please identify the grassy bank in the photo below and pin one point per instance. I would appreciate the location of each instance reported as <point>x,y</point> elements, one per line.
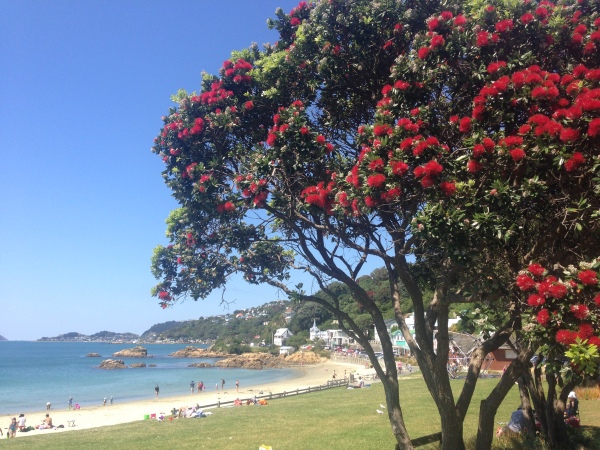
<point>335,419</point>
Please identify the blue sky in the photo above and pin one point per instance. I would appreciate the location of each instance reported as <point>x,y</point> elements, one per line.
<point>83,86</point>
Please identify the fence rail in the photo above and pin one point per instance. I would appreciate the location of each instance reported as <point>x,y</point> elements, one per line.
<point>343,382</point>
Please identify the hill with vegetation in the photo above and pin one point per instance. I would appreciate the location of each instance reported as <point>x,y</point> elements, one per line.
<point>256,325</point>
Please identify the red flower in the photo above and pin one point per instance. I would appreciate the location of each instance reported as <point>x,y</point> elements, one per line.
<point>594,340</point>
<point>446,15</point>
<point>437,41</point>
<point>228,207</point>
<point>536,269</point>
<point>320,139</point>
<point>401,85</point>
<point>295,22</point>
<point>382,130</point>
<point>527,18</point>
<point>370,202</point>
<point>433,24</point>
<point>504,25</point>
<point>386,90</point>
<point>580,311</point>
<point>427,181</point>
<point>164,295</point>
<point>585,331</point>
<point>399,168</point>
<point>597,300</point>
<point>423,52</point>
<point>376,165</point>
<point>482,39</point>
<point>588,277</point>
<point>433,168</point>
<point>536,300</point>
<point>569,135</point>
<point>303,130</point>
<point>517,154</point>
<point>566,337</point>
<point>525,282</point>
<point>557,290</point>
<point>376,181</point>
<point>594,128</point>
<point>543,317</point>
<point>459,20</point>
<point>465,125</point>
<point>495,66</point>
<point>474,166</point>
<point>448,188</point>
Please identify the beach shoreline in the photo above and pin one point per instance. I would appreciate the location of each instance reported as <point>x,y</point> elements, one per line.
<point>119,413</point>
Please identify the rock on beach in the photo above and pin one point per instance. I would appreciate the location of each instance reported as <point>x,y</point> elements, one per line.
<point>135,352</point>
<point>110,364</point>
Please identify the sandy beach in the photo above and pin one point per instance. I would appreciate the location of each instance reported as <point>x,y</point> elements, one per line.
<point>117,413</point>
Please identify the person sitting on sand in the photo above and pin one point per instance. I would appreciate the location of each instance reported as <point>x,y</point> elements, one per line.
<point>22,420</point>
<point>46,423</point>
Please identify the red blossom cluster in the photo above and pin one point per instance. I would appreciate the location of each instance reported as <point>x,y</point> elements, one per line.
<point>237,71</point>
<point>215,96</point>
<point>254,191</point>
<point>563,108</point>
<point>565,309</point>
<point>319,195</point>
<point>299,13</point>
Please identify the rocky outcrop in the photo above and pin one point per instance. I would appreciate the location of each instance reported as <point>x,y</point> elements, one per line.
<point>151,365</point>
<point>303,358</point>
<point>137,365</point>
<point>110,364</point>
<point>264,360</point>
<point>195,352</point>
<point>201,365</point>
<point>94,355</point>
<point>135,352</point>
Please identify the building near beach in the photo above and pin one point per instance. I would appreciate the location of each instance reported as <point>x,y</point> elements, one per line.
<point>281,336</point>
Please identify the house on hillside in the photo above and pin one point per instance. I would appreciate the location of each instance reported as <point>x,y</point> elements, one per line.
<point>281,335</point>
<point>289,313</point>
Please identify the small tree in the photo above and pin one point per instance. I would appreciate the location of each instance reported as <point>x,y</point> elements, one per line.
<point>452,143</point>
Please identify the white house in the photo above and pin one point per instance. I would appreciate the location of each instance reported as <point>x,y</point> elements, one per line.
<point>281,335</point>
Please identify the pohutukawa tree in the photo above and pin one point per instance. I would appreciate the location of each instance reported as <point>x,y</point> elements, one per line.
<point>452,143</point>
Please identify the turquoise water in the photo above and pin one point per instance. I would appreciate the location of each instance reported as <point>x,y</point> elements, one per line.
<point>34,373</point>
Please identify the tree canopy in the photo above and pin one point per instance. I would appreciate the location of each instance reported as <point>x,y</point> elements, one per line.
<point>455,143</point>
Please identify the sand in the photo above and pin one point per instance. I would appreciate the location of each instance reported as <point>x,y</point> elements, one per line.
<point>118,413</point>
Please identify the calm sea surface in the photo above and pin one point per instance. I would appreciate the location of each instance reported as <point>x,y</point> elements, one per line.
<point>34,373</point>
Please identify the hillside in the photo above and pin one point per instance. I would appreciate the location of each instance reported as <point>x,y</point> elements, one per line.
<point>102,336</point>
<point>2,338</point>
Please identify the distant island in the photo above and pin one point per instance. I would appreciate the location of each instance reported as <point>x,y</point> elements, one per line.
<point>102,336</point>
<point>2,338</point>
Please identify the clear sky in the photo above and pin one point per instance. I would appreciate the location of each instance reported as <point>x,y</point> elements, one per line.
<point>83,85</point>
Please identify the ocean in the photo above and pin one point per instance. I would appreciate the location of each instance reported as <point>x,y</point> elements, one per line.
<point>34,373</point>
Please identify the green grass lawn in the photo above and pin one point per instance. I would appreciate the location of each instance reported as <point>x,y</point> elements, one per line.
<point>334,419</point>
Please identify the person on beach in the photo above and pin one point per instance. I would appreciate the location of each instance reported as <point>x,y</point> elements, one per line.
<point>111,400</point>
<point>12,428</point>
<point>156,390</point>
<point>46,423</point>
<point>222,383</point>
<point>217,386</point>
<point>70,403</point>
<point>22,421</point>
<point>192,384</point>
<point>104,402</point>
<point>48,406</point>
<point>237,385</point>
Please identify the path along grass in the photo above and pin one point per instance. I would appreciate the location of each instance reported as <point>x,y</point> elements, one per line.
<point>335,419</point>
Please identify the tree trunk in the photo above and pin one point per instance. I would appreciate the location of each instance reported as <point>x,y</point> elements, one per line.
<point>392,399</point>
<point>489,406</point>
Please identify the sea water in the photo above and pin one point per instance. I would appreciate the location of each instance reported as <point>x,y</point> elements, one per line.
<point>35,373</point>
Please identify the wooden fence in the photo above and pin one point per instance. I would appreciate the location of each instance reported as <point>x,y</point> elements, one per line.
<point>343,382</point>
